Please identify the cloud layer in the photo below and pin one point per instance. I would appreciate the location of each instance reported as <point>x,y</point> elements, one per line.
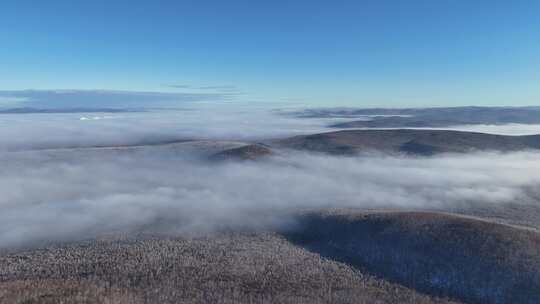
<point>82,194</point>
<point>231,121</point>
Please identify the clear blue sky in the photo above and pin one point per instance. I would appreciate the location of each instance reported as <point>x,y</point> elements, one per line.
<point>360,53</point>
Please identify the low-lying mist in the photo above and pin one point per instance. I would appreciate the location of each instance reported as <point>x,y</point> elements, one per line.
<point>200,121</point>
<point>193,121</point>
<point>48,197</point>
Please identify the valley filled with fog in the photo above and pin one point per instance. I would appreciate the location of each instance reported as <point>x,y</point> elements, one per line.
<point>75,175</point>
<point>265,181</point>
<point>51,196</point>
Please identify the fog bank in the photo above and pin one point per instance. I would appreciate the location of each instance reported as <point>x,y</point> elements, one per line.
<point>200,121</point>
<point>194,121</point>
<point>80,196</point>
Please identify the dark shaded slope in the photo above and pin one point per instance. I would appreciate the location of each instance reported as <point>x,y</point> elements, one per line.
<point>420,142</point>
<point>248,152</point>
<point>446,255</point>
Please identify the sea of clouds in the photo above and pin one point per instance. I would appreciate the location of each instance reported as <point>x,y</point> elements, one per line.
<point>69,194</point>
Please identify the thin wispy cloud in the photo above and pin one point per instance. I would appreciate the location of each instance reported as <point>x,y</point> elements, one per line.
<point>107,98</point>
<point>11,101</point>
<point>218,88</point>
<point>179,86</point>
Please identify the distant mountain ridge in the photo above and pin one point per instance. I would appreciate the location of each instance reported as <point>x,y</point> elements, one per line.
<point>408,141</point>
<point>426,117</point>
<point>418,142</point>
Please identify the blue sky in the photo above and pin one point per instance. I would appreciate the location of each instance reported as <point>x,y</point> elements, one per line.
<point>321,53</point>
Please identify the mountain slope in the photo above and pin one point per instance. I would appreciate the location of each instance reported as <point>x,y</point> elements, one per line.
<point>229,268</point>
<point>466,258</point>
